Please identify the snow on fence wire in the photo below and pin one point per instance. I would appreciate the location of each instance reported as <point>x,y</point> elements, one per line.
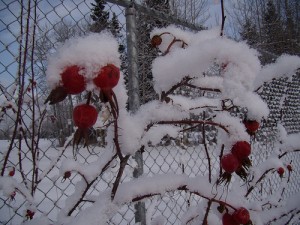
<point>23,71</point>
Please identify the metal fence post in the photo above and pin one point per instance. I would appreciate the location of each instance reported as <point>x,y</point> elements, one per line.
<point>133,94</point>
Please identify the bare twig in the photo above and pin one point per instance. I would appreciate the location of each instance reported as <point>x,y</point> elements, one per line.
<point>21,162</point>
<point>206,213</point>
<point>123,164</point>
<point>223,18</point>
<point>283,154</point>
<point>188,122</point>
<point>259,180</point>
<point>89,185</point>
<point>21,82</point>
<point>220,157</point>
<point>183,82</point>
<point>172,43</point>
<point>206,150</point>
<point>204,88</point>
<point>184,188</point>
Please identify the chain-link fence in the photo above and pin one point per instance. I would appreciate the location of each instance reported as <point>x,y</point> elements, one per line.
<point>30,30</point>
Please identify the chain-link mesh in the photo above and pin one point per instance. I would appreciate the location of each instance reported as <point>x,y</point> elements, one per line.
<point>28,36</point>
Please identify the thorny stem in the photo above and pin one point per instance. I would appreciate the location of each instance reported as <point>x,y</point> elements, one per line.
<point>34,144</point>
<point>283,154</point>
<point>172,42</point>
<point>260,179</point>
<point>89,185</point>
<point>21,77</point>
<point>183,82</point>
<point>223,18</point>
<point>20,162</point>
<point>188,122</point>
<point>206,150</point>
<point>37,143</point>
<point>203,88</point>
<point>207,212</point>
<point>184,188</point>
<point>285,214</point>
<point>89,98</point>
<point>123,164</point>
<point>220,157</point>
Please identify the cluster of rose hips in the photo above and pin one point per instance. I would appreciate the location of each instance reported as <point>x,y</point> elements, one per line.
<point>239,216</point>
<point>73,82</point>
<point>236,161</point>
<point>280,170</point>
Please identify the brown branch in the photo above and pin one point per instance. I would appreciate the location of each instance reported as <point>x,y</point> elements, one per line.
<point>188,122</point>
<point>51,168</point>
<point>203,88</point>
<point>183,82</point>
<point>220,157</point>
<point>259,180</point>
<point>21,164</point>
<point>123,164</point>
<point>285,214</point>
<point>89,96</point>
<point>283,154</point>
<point>223,18</point>
<point>206,213</point>
<point>21,81</point>
<point>89,185</point>
<point>184,188</point>
<point>34,145</point>
<point>206,150</point>
<point>172,43</point>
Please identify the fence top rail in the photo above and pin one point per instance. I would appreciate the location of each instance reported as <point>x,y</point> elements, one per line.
<point>160,15</point>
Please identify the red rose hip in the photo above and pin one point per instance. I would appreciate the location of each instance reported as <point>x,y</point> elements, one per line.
<point>73,82</point>
<point>229,163</point>
<point>156,41</point>
<point>108,77</point>
<point>280,171</point>
<point>241,216</point>
<point>228,219</point>
<point>251,126</point>
<point>241,149</point>
<point>85,116</point>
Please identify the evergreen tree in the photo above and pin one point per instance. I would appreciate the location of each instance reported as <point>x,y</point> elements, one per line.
<point>114,26</point>
<point>115,29</point>
<point>291,34</point>
<point>249,33</point>
<point>272,32</point>
<point>271,27</point>
<point>99,16</point>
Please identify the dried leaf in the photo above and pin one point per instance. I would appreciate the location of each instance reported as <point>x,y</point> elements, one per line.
<point>56,95</point>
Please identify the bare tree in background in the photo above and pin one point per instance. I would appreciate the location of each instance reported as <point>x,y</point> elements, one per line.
<point>193,11</point>
<point>269,26</point>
